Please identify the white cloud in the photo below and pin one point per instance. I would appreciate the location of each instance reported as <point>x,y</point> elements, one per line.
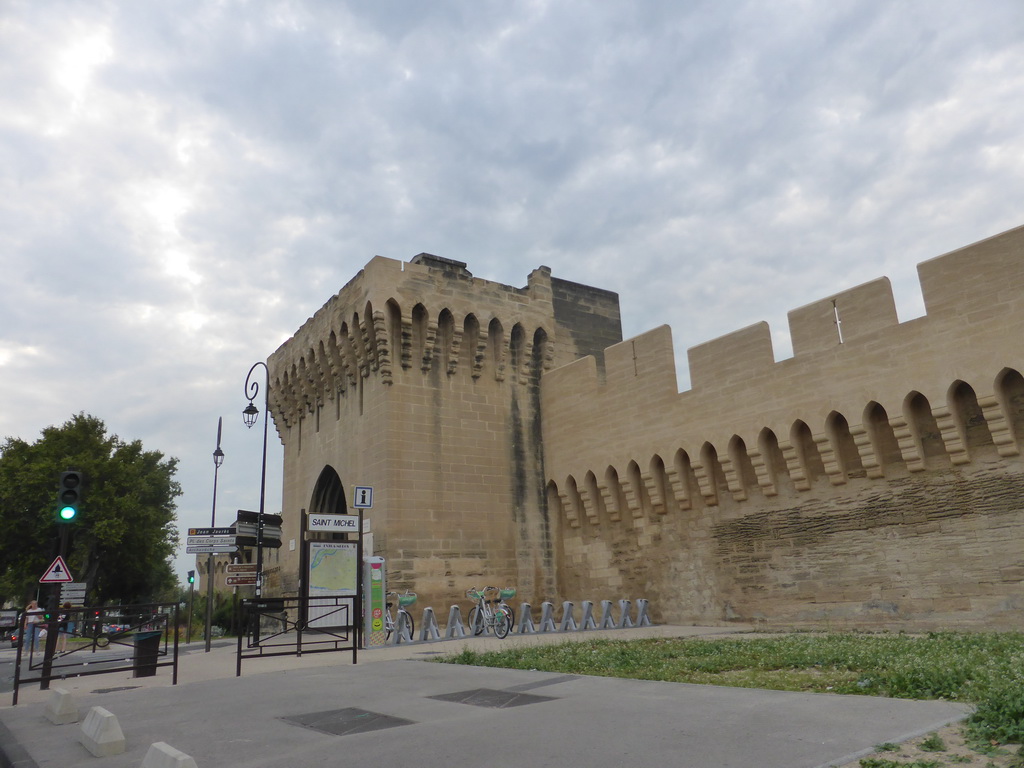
<point>183,186</point>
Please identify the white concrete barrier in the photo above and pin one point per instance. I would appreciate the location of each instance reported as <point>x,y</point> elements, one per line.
<point>61,707</point>
<point>101,733</point>
<point>162,755</point>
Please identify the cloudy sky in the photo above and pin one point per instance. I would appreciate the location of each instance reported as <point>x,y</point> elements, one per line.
<point>183,184</point>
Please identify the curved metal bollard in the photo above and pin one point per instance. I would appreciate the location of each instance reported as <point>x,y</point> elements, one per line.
<point>455,627</point>
<point>428,626</point>
<point>624,620</point>
<point>642,619</point>
<point>547,619</point>
<point>607,622</point>
<point>526,625</point>
<point>587,621</point>
<point>568,622</point>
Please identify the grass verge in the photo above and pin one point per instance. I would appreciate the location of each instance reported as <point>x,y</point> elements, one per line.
<point>984,669</point>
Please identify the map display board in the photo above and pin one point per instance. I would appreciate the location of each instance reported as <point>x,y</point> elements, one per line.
<point>333,572</point>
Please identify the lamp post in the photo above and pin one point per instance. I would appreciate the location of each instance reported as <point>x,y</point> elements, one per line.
<point>218,459</point>
<point>250,415</point>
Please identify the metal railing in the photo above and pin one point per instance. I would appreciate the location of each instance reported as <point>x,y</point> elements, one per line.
<point>75,642</point>
<point>293,626</point>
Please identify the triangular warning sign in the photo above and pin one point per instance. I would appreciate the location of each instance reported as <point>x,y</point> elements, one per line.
<point>57,573</point>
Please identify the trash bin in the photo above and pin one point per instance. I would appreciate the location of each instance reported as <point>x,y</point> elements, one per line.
<point>147,651</point>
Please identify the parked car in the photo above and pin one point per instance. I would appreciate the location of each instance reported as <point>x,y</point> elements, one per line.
<point>14,635</point>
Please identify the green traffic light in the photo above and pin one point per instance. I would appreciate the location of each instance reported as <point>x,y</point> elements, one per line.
<point>68,514</point>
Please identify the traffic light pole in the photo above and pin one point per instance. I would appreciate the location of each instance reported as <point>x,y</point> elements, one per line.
<point>191,592</point>
<point>68,499</point>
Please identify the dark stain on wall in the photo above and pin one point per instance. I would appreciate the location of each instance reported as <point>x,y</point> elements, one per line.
<point>590,315</point>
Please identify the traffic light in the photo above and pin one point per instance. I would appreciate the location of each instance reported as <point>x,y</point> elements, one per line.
<point>69,496</point>
<point>191,577</point>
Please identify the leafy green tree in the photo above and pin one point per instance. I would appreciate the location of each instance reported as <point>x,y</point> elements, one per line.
<point>125,534</point>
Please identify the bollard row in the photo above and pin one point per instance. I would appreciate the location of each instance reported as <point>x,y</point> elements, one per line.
<point>100,733</point>
<point>608,619</point>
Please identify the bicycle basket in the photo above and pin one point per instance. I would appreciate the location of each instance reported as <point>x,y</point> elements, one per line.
<point>406,600</point>
<point>507,592</point>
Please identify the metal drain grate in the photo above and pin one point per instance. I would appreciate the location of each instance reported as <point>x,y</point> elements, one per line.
<point>487,697</point>
<point>341,722</point>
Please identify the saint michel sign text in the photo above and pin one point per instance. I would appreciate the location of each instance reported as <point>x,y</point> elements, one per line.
<point>335,523</point>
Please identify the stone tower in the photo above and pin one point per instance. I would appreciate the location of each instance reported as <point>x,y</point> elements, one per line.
<point>421,381</point>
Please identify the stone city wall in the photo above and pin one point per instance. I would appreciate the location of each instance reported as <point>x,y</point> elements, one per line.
<point>875,481</point>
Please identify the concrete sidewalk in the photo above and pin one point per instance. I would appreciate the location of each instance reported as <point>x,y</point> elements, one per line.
<point>392,708</point>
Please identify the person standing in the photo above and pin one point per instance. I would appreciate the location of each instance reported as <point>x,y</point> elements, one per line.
<point>33,617</point>
<point>64,627</point>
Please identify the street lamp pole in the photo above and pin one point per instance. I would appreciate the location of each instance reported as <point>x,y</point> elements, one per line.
<point>250,416</point>
<point>218,459</point>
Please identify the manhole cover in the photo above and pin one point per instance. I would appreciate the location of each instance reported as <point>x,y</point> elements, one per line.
<point>487,697</point>
<point>341,722</point>
<point>122,688</point>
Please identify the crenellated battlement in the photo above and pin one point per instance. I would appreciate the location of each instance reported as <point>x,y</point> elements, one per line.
<point>962,290</point>
<point>397,320</point>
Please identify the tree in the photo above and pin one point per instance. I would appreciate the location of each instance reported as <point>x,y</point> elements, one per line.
<point>125,534</point>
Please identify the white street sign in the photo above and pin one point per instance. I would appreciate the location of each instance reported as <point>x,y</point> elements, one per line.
<point>333,523</point>
<point>211,541</point>
<point>218,550</point>
<point>72,590</point>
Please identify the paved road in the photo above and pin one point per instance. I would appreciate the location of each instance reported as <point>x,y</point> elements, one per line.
<point>394,709</point>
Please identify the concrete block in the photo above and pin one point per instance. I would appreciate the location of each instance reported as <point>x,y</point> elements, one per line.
<point>101,733</point>
<point>61,707</point>
<point>162,755</point>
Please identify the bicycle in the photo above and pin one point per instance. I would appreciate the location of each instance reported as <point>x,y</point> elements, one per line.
<point>483,617</point>
<point>503,595</point>
<point>390,625</point>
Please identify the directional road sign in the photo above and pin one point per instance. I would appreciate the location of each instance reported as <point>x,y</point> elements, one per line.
<point>240,581</point>
<point>211,541</point>
<point>73,591</point>
<point>222,549</point>
<point>241,568</point>
<point>210,532</point>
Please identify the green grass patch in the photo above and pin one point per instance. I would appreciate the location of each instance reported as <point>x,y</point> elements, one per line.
<point>984,669</point>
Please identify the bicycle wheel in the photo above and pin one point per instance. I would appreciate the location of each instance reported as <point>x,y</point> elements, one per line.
<point>410,624</point>
<point>476,621</point>
<point>511,614</point>
<point>501,626</point>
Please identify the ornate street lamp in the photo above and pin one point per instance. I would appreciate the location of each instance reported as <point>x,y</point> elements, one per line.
<point>250,415</point>
<point>218,459</point>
